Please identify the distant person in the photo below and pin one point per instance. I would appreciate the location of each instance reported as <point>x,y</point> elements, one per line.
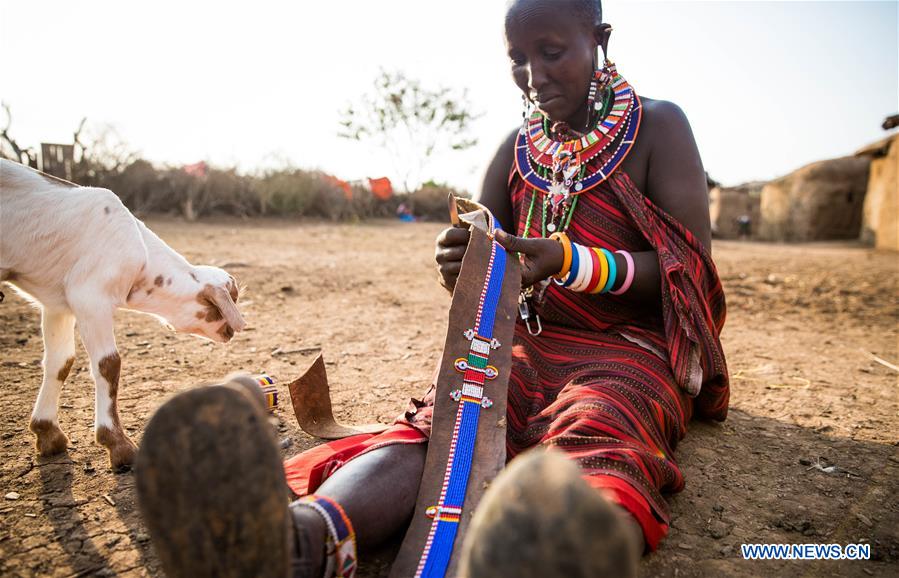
<point>404,214</point>
<point>626,350</point>
<point>744,226</point>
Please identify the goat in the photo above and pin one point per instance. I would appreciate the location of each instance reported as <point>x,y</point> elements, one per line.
<point>79,254</point>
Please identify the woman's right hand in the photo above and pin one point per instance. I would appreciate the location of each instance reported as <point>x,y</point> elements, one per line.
<point>451,245</point>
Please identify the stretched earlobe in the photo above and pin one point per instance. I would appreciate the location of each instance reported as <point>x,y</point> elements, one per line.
<point>603,32</point>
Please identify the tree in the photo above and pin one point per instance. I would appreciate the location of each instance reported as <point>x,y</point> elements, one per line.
<point>410,121</point>
<point>12,150</point>
<point>101,153</point>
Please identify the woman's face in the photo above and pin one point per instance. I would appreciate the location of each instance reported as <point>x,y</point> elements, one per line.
<point>552,53</point>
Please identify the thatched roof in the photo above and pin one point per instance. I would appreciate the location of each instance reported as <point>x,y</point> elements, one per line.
<point>878,149</point>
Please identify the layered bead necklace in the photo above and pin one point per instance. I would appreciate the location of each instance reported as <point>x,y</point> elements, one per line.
<point>556,162</point>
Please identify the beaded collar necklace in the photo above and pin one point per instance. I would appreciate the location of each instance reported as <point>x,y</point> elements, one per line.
<point>561,169</point>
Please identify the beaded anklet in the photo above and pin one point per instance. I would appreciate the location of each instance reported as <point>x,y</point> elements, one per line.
<point>341,560</point>
<point>268,390</point>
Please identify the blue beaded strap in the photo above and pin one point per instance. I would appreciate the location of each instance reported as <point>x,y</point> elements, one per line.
<point>446,514</point>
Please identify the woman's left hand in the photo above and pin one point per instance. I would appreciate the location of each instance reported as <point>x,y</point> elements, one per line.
<point>540,258</point>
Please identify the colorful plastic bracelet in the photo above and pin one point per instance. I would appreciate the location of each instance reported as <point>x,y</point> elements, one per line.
<point>603,270</point>
<point>562,238</point>
<point>613,273</point>
<point>629,278</point>
<point>586,269</point>
<point>575,267</point>
<point>597,269</point>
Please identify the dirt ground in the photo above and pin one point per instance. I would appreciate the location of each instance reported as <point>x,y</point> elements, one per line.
<point>808,454</point>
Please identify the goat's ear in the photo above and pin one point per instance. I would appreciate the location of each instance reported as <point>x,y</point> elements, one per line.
<point>221,298</point>
<point>233,288</point>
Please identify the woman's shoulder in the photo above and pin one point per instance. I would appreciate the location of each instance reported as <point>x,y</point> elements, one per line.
<point>664,122</point>
<point>675,177</point>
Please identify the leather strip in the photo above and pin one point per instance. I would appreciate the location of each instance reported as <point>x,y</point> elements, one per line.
<point>311,399</point>
<point>489,448</point>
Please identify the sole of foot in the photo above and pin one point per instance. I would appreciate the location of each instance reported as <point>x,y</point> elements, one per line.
<point>540,519</point>
<point>211,486</point>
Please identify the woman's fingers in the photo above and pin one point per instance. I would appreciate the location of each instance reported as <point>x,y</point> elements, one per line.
<point>540,257</point>
<point>451,245</point>
<point>453,236</point>
<point>449,274</point>
<point>513,243</point>
<point>450,254</point>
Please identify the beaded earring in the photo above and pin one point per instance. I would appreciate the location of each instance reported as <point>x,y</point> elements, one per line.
<point>525,111</point>
<point>602,79</point>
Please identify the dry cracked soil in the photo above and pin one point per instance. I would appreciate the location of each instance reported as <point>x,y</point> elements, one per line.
<point>808,454</point>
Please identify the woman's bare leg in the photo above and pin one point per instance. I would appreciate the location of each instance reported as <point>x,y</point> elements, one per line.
<point>377,491</point>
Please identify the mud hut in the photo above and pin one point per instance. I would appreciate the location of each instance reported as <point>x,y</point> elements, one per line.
<point>880,216</point>
<point>728,204</point>
<point>819,201</point>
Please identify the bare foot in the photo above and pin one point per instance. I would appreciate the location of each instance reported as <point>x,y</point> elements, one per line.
<point>540,519</point>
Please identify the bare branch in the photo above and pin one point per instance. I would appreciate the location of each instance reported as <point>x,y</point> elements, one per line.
<point>26,153</point>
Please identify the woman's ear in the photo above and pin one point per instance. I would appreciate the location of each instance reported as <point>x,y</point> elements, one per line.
<point>601,33</point>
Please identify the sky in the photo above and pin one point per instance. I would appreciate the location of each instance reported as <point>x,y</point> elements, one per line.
<point>767,86</point>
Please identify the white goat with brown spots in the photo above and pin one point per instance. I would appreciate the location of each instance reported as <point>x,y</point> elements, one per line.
<point>80,254</point>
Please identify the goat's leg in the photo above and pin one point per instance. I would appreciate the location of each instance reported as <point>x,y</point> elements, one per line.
<point>96,328</point>
<point>58,329</point>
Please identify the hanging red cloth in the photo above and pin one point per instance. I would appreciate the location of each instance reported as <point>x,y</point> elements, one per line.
<point>381,188</point>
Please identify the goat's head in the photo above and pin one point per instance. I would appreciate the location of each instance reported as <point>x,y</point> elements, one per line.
<point>210,309</point>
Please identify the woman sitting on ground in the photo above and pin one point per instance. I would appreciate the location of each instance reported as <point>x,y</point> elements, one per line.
<point>606,193</point>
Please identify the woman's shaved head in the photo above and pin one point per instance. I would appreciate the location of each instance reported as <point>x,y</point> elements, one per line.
<point>553,51</point>
<point>589,11</point>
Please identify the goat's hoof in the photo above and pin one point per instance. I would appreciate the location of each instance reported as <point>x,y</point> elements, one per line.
<point>120,447</point>
<point>50,440</point>
<point>122,456</point>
